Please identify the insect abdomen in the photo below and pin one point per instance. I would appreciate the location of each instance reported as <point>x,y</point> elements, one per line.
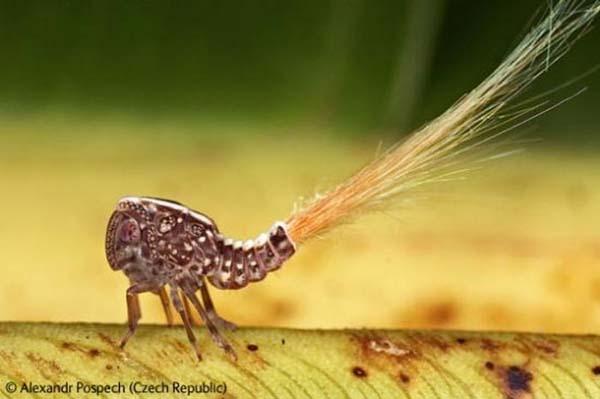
<point>250,261</point>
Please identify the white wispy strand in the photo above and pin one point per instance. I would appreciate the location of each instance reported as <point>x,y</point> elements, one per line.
<point>431,153</point>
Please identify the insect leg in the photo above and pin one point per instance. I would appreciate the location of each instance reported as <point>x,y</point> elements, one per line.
<point>134,314</point>
<point>211,312</point>
<point>164,299</point>
<point>188,310</point>
<point>175,298</point>
<point>212,329</point>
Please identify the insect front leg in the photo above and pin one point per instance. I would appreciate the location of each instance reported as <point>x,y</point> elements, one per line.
<point>211,312</point>
<point>212,329</point>
<point>134,313</point>
<point>175,298</point>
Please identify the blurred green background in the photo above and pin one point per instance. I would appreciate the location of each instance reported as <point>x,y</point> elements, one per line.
<point>239,109</point>
<point>353,65</point>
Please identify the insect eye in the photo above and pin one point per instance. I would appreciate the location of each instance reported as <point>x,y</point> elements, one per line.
<point>130,232</point>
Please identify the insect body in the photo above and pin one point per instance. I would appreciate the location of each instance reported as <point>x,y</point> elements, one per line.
<point>159,243</point>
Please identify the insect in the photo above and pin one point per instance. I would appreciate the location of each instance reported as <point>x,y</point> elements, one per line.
<point>159,243</point>
<point>162,244</point>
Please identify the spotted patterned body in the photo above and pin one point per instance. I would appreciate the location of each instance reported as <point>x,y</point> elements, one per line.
<point>156,242</point>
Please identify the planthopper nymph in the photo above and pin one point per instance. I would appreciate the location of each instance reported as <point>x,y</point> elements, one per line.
<point>161,244</point>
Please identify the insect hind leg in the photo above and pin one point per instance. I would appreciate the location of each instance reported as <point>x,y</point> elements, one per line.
<point>188,309</point>
<point>211,312</point>
<point>164,300</point>
<point>176,299</point>
<point>212,328</point>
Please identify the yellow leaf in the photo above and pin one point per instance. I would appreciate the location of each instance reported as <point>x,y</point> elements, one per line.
<point>284,363</point>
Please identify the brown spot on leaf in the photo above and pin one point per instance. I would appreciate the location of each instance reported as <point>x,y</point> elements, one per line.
<point>373,347</point>
<point>433,341</point>
<point>404,378</point>
<point>180,346</point>
<point>518,379</point>
<point>109,366</point>
<point>596,370</point>
<point>46,367</point>
<point>359,372</point>
<point>548,346</point>
<point>378,352</point>
<point>386,346</point>
<point>252,347</point>
<point>71,346</point>
<point>516,382</point>
<point>108,340</point>
<point>535,346</point>
<point>67,345</point>
<point>461,341</point>
<point>489,365</point>
<point>490,345</point>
